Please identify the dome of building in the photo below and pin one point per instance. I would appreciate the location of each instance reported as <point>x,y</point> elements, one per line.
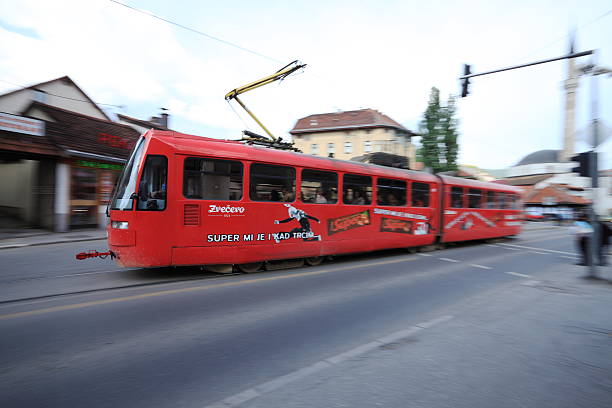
<point>541,156</point>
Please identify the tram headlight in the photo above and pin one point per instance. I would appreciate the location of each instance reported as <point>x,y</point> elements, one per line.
<point>119,224</point>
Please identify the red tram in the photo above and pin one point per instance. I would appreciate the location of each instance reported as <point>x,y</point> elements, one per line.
<point>189,200</point>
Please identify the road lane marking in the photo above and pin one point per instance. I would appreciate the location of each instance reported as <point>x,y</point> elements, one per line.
<point>521,275</point>
<point>196,288</point>
<point>548,237</point>
<point>481,266</point>
<point>573,258</point>
<point>539,253</point>
<point>539,249</point>
<point>420,254</point>
<point>279,382</point>
<point>448,260</point>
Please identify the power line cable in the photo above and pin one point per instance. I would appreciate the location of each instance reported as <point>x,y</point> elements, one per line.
<point>193,30</point>
<point>567,35</point>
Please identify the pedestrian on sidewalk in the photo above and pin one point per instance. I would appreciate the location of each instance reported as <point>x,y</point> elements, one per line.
<point>582,230</point>
<point>604,240</point>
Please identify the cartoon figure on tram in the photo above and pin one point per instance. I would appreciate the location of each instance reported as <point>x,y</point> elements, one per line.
<point>304,231</point>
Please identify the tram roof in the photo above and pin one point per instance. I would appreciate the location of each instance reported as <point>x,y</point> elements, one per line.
<point>233,149</point>
<point>479,184</point>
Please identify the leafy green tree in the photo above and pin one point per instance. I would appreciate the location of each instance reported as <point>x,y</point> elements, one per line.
<point>438,128</point>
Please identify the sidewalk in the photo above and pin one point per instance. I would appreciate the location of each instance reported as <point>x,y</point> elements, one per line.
<point>541,341</point>
<point>21,237</point>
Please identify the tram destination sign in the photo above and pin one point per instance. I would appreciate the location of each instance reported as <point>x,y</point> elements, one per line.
<point>20,124</point>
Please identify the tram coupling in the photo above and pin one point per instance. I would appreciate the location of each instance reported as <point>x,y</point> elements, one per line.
<point>95,254</point>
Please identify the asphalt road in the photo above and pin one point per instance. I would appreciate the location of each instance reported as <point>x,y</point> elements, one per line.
<point>184,339</point>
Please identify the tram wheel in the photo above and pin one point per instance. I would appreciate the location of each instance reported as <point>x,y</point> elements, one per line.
<point>221,268</point>
<point>249,267</point>
<point>314,260</point>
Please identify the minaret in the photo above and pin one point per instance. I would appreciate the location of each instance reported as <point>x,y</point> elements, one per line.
<point>570,85</point>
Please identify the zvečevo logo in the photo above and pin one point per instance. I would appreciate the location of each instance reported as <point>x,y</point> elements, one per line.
<point>227,209</point>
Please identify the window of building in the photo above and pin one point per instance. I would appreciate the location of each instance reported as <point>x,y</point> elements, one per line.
<point>391,192</point>
<point>348,147</point>
<point>210,179</point>
<point>272,183</point>
<point>319,187</point>
<point>420,194</point>
<point>314,148</point>
<point>152,186</point>
<point>357,190</point>
<point>456,197</point>
<point>474,198</point>
<point>331,148</point>
<point>367,146</point>
<point>313,122</point>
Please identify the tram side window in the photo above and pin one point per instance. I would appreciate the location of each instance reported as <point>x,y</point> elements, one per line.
<point>501,200</point>
<point>391,192</point>
<point>490,199</point>
<point>518,203</point>
<point>474,198</point>
<point>513,202</point>
<point>357,190</point>
<point>420,194</point>
<point>152,187</point>
<point>456,197</point>
<point>319,187</point>
<point>210,179</point>
<point>272,183</point>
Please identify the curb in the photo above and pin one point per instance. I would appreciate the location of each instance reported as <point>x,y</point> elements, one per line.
<point>12,246</point>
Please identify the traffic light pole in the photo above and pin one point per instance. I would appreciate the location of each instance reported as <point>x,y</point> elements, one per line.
<point>593,247</point>
<point>594,242</point>
<point>574,55</point>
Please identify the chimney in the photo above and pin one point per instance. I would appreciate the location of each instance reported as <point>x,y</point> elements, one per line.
<point>163,121</point>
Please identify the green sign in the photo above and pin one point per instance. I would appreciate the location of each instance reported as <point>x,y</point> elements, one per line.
<point>96,165</point>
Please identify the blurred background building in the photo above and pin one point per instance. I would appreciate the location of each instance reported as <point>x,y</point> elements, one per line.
<point>60,156</point>
<point>348,134</point>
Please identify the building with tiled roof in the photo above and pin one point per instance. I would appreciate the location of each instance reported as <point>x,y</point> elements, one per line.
<point>60,156</point>
<point>78,135</point>
<point>349,134</point>
<point>156,122</point>
<point>62,92</point>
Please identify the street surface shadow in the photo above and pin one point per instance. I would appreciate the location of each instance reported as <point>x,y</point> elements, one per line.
<point>177,273</point>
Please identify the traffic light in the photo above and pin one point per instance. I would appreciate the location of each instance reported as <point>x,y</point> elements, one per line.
<point>465,82</point>
<point>584,160</point>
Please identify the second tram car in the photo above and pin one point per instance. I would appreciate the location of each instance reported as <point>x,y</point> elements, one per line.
<point>189,200</point>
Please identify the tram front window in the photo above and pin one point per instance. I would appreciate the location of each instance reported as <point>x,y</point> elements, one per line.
<point>152,188</point>
<point>127,182</point>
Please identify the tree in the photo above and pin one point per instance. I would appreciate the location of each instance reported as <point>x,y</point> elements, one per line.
<point>438,128</point>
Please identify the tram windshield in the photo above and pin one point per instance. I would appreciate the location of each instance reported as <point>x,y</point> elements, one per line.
<point>126,185</point>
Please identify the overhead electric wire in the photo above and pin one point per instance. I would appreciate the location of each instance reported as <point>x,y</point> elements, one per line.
<point>193,30</point>
<point>567,35</point>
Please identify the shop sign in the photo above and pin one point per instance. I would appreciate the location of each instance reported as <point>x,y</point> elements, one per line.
<point>19,124</point>
<point>114,141</point>
<point>96,165</point>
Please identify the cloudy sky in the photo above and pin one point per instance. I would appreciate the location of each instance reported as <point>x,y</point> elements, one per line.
<point>380,54</point>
